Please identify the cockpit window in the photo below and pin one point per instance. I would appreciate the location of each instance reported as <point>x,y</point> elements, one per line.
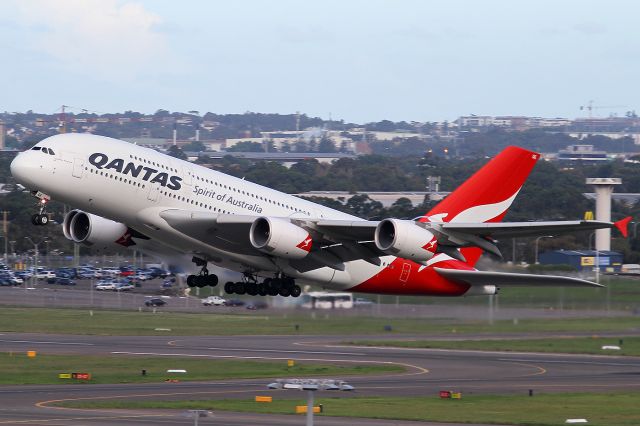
<point>51,152</point>
<point>36,148</point>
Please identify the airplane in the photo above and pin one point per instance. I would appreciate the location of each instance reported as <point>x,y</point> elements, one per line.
<point>131,196</point>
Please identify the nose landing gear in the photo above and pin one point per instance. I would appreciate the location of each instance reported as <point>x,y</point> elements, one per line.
<point>41,218</point>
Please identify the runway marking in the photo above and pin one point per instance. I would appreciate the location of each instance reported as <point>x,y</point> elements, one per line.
<point>47,343</point>
<point>174,343</point>
<point>248,357</point>
<point>562,361</point>
<point>83,418</point>
<point>475,351</point>
<point>420,370</point>
<point>288,351</point>
<point>45,404</point>
<point>540,371</point>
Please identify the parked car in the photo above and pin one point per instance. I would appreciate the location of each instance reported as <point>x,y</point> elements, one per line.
<point>156,301</point>
<point>126,271</point>
<point>214,301</point>
<point>253,306</point>
<point>124,287</point>
<point>234,302</point>
<point>64,281</point>
<point>105,285</point>
<point>142,276</point>
<point>110,271</point>
<point>361,301</point>
<point>42,275</point>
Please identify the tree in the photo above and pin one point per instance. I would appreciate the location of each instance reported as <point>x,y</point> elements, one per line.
<point>196,146</point>
<point>326,145</point>
<point>176,152</point>
<point>246,146</point>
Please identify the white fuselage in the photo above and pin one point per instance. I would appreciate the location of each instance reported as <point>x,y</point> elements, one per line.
<point>132,185</point>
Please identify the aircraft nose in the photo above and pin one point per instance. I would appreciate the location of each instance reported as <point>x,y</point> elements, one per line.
<point>20,167</point>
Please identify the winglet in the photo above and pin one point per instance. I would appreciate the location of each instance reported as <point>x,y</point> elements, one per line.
<point>622,225</point>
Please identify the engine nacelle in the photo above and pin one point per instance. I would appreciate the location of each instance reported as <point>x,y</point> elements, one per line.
<point>89,229</point>
<point>482,290</point>
<point>279,237</point>
<point>403,238</point>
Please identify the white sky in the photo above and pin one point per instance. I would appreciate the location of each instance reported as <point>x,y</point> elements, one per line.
<point>360,61</point>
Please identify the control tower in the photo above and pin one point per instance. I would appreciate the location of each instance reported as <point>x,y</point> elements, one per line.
<point>603,188</point>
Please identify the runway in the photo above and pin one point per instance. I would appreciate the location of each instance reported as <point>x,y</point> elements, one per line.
<point>427,372</point>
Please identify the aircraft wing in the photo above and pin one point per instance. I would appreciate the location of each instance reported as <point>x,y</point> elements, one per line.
<point>231,233</point>
<point>224,231</point>
<point>453,235</point>
<point>339,241</point>
<point>507,279</point>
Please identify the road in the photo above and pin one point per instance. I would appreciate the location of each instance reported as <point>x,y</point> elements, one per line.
<point>428,371</point>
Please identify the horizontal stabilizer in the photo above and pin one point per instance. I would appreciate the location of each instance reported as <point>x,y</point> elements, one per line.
<point>623,225</point>
<point>506,279</point>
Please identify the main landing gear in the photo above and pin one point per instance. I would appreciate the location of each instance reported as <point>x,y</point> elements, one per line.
<point>203,278</point>
<point>40,218</point>
<point>280,285</point>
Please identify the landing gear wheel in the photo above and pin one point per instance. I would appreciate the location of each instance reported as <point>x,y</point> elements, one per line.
<point>239,288</point>
<point>43,219</point>
<point>191,280</point>
<point>252,289</point>
<point>273,288</point>
<point>296,291</point>
<point>285,292</point>
<point>201,280</point>
<point>35,219</point>
<point>262,289</point>
<point>229,287</point>
<point>211,280</point>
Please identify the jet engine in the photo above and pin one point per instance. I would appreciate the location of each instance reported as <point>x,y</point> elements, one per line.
<point>279,237</point>
<point>403,238</point>
<point>89,229</point>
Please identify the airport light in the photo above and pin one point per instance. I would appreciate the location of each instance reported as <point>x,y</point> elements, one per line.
<point>35,245</point>
<point>196,414</point>
<point>311,386</point>
<point>537,240</point>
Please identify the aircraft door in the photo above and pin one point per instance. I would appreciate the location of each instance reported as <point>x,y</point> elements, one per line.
<point>406,270</point>
<point>78,167</point>
<point>154,190</point>
<point>187,176</point>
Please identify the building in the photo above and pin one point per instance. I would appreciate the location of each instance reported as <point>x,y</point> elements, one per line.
<point>285,158</point>
<point>584,260</point>
<point>2,135</point>
<point>581,153</point>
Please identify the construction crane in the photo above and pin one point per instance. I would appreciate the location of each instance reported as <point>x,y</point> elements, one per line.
<point>590,107</point>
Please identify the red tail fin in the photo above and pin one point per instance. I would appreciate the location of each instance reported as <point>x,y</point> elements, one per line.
<point>487,195</point>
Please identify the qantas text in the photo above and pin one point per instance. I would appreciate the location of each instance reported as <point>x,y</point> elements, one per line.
<point>101,161</point>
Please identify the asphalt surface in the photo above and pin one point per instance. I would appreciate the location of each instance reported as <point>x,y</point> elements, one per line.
<point>428,371</point>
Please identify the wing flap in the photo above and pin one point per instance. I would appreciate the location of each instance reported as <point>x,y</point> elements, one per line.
<point>508,279</point>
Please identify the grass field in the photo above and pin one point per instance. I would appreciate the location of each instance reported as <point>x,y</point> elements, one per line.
<point>18,369</point>
<point>581,345</point>
<point>620,293</point>
<point>615,409</point>
<point>102,322</point>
